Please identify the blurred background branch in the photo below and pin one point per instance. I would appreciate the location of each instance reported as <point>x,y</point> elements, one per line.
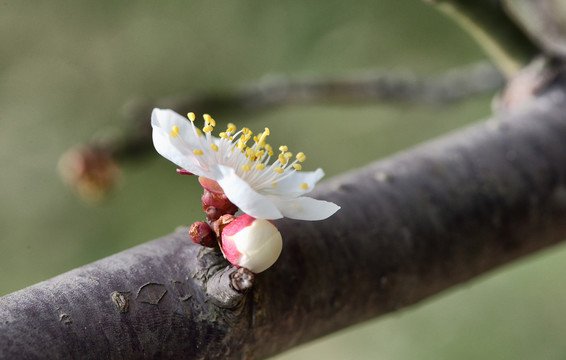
<point>91,169</point>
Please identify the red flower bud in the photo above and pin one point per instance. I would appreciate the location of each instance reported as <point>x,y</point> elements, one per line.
<point>254,244</point>
<point>201,233</point>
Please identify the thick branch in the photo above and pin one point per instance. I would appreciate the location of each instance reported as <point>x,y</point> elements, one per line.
<point>410,227</point>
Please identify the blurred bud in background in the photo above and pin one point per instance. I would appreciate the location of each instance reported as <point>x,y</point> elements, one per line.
<point>90,171</point>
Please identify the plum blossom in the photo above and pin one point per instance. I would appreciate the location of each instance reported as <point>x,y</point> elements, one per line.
<point>242,172</point>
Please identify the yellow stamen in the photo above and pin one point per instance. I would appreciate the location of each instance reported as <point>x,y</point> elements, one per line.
<point>207,128</point>
<point>209,120</point>
<point>301,157</point>
<point>282,159</point>
<point>223,135</point>
<point>231,128</point>
<point>191,116</point>
<point>245,168</point>
<point>274,184</point>
<point>261,141</point>
<point>288,155</point>
<point>197,152</point>
<point>278,170</point>
<point>260,166</point>
<point>215,147</point>
<point>304,186</point>
<point>175,131</point>
<point>298,167</point>
<point>250,152</point>
<point>283,148</point>
<point>198,131</point>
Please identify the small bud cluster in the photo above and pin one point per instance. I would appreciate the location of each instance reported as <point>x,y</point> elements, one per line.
<point>254,244</point>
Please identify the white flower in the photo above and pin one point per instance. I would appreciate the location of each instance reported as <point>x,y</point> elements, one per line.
<point>251,243</point>
<point>259,189</point>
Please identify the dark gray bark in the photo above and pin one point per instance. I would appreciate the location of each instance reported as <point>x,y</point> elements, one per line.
<point>410,226</point>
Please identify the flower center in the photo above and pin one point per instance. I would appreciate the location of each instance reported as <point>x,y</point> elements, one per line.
<point>251,162</point>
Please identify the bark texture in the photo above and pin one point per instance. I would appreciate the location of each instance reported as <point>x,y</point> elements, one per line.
<point>410,226</point>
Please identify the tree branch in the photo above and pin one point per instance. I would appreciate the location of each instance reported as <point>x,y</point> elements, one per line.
<point>410,226</point>
<point>92,169</point>
<point>378,85</point>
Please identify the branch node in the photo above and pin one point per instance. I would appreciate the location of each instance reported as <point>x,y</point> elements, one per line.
<point>226,288</point>
<point>242,279</point>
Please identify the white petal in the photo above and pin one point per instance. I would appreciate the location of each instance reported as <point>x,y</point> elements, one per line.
<point>243,196</point>
<point>166,119</point>
<point>305,208</point>
<point>291,186</point>
<point>173,149</point>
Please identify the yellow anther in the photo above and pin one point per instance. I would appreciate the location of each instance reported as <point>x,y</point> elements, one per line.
<point>231,128</point>
<point>209,120</point>
<point>241,144</point>
<point>175,131</point>
<point>198,132</point>
<point>246,168</point>
<point>288,155</point>
<point>298,167</point>
<point>250,152</point>
<point>278,170</point>
<point>283,148</point>
<point>301,157</point>
<point>256,139</point>
<point>260,153</point>
<point>223,135</point>
<point>191,116</point>
<point>274,184</point>
<point>268,148</point>
<point>270,153</point>
<point>260,166</point>
<point>197,152</point>
<point>247,131</point>
<point>262,136</point>
<point>282,159</point>
<point>215,147</point>
<point>304,186</point>
<point>207,129</point>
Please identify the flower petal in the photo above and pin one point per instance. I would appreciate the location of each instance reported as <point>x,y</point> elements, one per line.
<point>176,149</point>
<point>166,119</point>
<point>292,185</point>
<point>305,208</point>
<point>243,196</point>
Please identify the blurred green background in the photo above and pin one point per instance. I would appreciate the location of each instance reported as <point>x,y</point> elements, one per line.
<point>68,67</point>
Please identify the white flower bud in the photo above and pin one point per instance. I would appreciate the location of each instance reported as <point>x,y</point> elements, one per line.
<point>254,244</point>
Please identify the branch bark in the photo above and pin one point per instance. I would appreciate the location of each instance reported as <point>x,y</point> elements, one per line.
<point>410,226</point>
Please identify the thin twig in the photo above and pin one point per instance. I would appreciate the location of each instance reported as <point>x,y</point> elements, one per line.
<point>485,20</point>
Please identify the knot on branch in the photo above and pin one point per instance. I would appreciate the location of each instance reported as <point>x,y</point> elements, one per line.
<point>227,288</point>
<point>225,285</point>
